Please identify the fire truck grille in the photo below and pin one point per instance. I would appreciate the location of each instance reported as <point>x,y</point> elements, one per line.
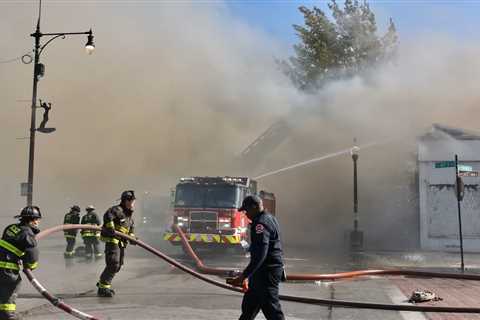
<point>203,221</point>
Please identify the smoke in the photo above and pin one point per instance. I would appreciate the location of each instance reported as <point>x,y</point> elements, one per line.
<point>171,90</point>
<point>432,81</point>
<point>179,89</point>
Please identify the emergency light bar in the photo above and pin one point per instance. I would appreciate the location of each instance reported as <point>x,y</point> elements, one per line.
<point>213,180</point>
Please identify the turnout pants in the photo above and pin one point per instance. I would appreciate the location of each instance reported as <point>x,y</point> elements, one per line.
<point>114,261</point>
<point>91,246</point>
<point>263,295</point>
<point>69,250</point>
<point>9,286</point>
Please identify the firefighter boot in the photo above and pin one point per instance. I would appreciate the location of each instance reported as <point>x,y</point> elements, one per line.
<point>8,315</point>
<point>105,292</point>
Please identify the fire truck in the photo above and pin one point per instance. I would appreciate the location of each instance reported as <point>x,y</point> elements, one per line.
<point>206,209</point>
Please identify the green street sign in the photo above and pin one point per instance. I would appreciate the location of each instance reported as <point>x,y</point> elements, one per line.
<point>464,168</point>
<point>444,164</point>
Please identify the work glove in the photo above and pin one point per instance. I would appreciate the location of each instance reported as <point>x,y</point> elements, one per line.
<point>132,235</point>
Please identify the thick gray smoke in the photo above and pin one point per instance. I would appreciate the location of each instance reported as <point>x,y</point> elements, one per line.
<point>433,81</point>
<point>180,89</point>
<point>172,90</point>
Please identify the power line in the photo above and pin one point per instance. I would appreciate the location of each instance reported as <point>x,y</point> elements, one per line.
<point>26,58</point>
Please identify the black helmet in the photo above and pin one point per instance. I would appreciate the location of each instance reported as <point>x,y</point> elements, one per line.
<point>75,208</point>
<point>30,212</point>
<point>128,195</point>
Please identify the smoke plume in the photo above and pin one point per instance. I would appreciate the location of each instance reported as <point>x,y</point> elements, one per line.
<point>180,89</point>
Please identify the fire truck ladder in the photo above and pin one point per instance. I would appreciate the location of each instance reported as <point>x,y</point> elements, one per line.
<point>267,142</point>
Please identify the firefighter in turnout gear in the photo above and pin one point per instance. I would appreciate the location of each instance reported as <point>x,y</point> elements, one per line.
<point>73,217</point>
<point>117,218</point>
<point>90,237</point>
<point>265,271</point>
<point>18,247</point>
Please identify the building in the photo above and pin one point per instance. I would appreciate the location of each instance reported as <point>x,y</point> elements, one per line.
<point>439,220</point>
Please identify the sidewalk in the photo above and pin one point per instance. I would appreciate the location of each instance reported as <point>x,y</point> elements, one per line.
<point>455,293</point>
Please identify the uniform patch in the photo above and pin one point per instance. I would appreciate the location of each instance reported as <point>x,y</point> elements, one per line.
<point>259,228</point>
<point>14,228</point>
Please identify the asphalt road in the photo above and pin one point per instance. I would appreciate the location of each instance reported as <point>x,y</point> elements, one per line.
<point>149,288</point>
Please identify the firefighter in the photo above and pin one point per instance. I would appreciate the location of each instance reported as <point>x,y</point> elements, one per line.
<point>17,247</point>
<point>90,237</point>
<point>72,217</point>
<point>117,218</point>
<point>265,270</point>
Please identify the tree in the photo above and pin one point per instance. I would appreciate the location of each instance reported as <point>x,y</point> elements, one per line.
<point>341,48</point>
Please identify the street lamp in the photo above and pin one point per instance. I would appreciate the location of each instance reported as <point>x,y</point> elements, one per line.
<point>356,236</point>
<point>39,72</point>
<point>90,47</point>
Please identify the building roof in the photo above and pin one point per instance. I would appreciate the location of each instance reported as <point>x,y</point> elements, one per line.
<point>443,143</point>
<point>440,131</point>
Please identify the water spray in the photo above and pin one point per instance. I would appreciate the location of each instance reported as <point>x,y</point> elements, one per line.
<point>328,156</point>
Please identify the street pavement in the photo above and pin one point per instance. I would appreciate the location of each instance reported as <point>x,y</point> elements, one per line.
<point>149,288</point>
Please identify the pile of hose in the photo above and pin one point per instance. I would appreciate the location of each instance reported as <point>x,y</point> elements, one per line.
<point>315,301</point>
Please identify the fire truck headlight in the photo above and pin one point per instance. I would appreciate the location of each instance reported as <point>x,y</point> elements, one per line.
<point>224,223</point>
<point>182,221</point>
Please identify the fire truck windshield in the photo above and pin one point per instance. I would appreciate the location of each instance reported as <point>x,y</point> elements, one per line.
<point>207,196</point>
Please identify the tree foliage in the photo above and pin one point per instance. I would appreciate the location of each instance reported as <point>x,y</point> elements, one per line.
<point>340,47</point>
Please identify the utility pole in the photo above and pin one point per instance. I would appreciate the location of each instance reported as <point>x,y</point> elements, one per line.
<point>459,191</point>
<point>38,72</point>
<point>33,127</point>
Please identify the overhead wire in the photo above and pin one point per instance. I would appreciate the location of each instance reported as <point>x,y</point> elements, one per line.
<point>21,57</point>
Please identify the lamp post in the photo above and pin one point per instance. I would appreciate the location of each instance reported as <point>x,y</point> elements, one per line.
<point>356,236</point>
<point>38,72</point>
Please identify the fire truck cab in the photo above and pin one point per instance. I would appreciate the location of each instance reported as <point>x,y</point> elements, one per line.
<point>206,209</point>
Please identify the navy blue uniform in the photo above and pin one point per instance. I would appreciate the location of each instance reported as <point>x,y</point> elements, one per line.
<point>265,270</point>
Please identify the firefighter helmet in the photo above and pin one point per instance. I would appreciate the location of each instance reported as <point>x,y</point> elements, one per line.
<point>75,208</point>
<point>128,195</point>
<point>32,212</point>
<point>90,208</point>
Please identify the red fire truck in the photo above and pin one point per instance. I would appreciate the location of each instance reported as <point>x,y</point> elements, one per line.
<point>206,209</point>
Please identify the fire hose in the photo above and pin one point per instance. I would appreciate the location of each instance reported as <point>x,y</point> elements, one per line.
<point>315,301</point>
<point>56,301</point>
<point>320,277</point>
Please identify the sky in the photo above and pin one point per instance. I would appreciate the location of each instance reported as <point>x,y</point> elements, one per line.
<point>458,19</point>
<point>274,18</point>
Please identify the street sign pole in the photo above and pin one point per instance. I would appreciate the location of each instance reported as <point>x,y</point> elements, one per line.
<point>459,199</point>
